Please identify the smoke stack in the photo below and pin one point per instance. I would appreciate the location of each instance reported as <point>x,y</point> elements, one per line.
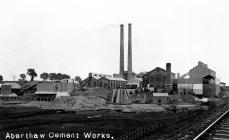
<point>130,74</point>
<point>121,69</point>
<point>168,70</point>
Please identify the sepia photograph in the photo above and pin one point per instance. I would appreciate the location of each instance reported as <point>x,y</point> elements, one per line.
<point>114,70</point>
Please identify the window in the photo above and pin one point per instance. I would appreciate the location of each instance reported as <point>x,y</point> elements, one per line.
<point>163,79</point>
<point>157,77</point>
<point>94,84</point>
<point>89,84</point>
<point>56,87</point>
<point>151,79</point>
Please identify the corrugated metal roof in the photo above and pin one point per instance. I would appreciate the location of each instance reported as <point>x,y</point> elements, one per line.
<point>61,94</point>
<point>160,94</point>
<point>9,95</point>
<point>190,81</point>
<point>45,92</point>
<point>14,85</point>
<point>115,79</point>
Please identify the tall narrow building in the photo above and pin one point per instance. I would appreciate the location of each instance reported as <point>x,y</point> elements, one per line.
<point>121,69</point>
<point>130,73</point>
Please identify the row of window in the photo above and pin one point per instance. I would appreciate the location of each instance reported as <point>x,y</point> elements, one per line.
<point>106,85</point>
<point>157,78</point>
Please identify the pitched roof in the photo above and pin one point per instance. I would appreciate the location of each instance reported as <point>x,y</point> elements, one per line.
<point>156,69</point>
<point>8,95</point>
<point>14,85</point>
<point>45,92</point>
<point>114,79</point>
<point>159,69</point>
<point>135,79</point>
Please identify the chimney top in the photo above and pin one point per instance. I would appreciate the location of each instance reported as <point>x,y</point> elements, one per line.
<point>168,64</point>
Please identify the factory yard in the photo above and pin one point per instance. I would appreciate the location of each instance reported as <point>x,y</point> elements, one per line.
<point>37,120</point>
<point>92,102</point>
<point>85,114</point>
<point>24,119</point>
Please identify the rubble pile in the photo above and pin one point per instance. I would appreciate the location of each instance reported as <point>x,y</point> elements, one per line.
<point>99,92</point>
<point>75,103</point>
<point>137,108</point>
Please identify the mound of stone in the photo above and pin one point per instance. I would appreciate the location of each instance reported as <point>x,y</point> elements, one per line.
<point>76,103</point>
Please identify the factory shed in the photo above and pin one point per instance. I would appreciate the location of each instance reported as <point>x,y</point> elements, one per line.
<point>48,91</point>
<point>9,91</point>
<point>211,86</point>
<point>103,81</point>
<point>159,78</point>
<point>208,86</point>
<point>45,95</point>
<point>92,80</point>
<point>50,95</point>
<point>160,98</point>
<point>11,96</point>
<point>187,86</point>
<point>111,82</point>
<point>13,87</point>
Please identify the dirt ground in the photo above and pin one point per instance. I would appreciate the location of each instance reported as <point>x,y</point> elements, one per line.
<point>36,120</point>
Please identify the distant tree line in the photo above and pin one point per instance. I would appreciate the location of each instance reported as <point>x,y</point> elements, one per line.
<point>54,76</point>
<point>45,76</point>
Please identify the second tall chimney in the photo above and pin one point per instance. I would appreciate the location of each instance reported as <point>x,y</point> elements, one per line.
<point>130,73</point>
<point>121,69</point>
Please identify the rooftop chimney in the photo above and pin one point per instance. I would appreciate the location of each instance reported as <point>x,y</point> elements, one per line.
<point>130,74</point>
<point>168,70</point>
<point>121,69</point>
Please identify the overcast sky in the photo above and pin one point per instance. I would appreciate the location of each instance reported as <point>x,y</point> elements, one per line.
<point>81,36</point>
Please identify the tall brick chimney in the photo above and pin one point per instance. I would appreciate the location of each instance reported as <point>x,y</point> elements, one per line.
<point>130,73</point>
<point>168,70</point>
<point>121,69</point>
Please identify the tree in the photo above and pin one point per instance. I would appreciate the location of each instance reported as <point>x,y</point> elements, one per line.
<point>1,78</point>
<point>31,73</point>
<point>78,79</point>
<point>59,76</point>
<point>65,76</point>
<point>52,76</point>
<point>22,76</point>
<point>44,76</point>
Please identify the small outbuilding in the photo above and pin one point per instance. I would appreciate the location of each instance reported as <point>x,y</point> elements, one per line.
<point>48,91</point>
<point>9,90</point>
<point>160,98</point>
<point>11,96</point>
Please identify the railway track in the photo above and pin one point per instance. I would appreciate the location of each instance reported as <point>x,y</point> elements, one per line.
<point>217,130</point>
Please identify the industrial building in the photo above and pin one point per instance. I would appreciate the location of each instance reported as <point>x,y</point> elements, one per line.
<point>48,91</point>
<point>104,81</point>
<point>159,78</point>
<point>10,91</point>
<point>199,81</point>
